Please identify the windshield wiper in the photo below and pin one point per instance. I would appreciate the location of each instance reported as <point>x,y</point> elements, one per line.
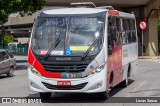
<point>89,49</point>
<point>52,47</point>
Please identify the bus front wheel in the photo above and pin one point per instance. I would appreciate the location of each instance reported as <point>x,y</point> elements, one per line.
<point>104,95</point>
<point>46,95</point>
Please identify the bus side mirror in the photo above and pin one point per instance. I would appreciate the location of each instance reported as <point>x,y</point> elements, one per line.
<point>109,52</point>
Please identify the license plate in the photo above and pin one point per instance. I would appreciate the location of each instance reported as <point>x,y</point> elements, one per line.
<point>74,75</point>
<point>64,83</point>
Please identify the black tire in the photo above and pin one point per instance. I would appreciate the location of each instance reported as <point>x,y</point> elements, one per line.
<point>11,72</point>
<point>125,82</point>
<point>46,95</point>
<point>104,95</point>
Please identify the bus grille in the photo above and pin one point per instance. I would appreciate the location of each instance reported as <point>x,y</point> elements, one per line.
<point>72,87</point>
<point>66,67</point>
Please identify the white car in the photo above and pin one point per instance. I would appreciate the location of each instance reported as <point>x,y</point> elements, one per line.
<point>7,63</point>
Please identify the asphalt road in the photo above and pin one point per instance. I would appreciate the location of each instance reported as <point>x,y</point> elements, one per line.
<point>145,83</point>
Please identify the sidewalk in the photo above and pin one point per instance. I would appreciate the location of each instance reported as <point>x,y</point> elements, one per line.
<point>149,57</point>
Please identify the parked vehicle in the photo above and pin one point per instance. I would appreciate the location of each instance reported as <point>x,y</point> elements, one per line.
<point>13,46</point>
<point>7,63</point>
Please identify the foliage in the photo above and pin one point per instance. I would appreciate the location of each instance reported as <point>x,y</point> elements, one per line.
<point>8,39</point>
<point>21,6</point>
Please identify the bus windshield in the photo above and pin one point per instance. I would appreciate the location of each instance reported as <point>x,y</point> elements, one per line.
<point>76,34</point>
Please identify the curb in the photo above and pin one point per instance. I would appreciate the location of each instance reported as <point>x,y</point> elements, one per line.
<point>148,57</point>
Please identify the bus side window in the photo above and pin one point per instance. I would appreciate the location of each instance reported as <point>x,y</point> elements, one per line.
<point>126,22</point>
<point>129,32</point>
<point>134,37</point>
<point>113,30</point>
<point>123,25</point>
<point>120,31</point>
<point>132,24</point>
<point>118,36</point>
<point>133,31</point>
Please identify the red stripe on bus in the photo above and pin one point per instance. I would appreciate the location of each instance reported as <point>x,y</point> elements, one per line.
<point>31,57</point>
<point>39,67</point>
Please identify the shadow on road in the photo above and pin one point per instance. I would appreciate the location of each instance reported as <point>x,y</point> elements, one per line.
<point>78,97</point>
<point>119,87</point>
<point>3,76</point>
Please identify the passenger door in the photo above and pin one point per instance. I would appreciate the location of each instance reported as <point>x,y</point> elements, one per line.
<point>5,62</point>
<point>114,50</point>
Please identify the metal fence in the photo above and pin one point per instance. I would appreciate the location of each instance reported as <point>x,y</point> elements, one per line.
<point>19,49</point>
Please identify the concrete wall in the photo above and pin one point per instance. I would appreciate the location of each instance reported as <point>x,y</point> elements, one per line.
<point>151,33</point>
<point>151,36</point>
<point>152,49</point>
<point>18,20</point>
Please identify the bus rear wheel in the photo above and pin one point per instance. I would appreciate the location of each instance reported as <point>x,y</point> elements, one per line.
<point>46,95</point>
<point>125,83</point>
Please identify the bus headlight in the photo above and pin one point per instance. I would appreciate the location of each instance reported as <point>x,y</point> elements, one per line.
<point>98,69</point>
<point>34,71</point>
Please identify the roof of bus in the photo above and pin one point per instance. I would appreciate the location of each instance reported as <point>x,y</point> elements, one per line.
<point>72,11</point>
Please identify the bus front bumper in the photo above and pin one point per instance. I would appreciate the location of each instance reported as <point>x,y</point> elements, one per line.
<point>94,83</point>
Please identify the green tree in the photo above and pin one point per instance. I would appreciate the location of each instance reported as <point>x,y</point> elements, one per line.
<point>8,39</point>
<point>21,6</point>
<point>159,24</point>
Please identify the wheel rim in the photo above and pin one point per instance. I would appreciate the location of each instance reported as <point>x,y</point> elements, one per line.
<point>127,81</point>
<point>11,72</point>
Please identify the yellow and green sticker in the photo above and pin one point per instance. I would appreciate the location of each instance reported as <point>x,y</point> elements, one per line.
<point>80,48</point>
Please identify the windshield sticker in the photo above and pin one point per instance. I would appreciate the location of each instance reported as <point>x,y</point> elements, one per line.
<point>68,52</point>
<point>80,48</point>
<point>57,52</point>
<point>43,52</point>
